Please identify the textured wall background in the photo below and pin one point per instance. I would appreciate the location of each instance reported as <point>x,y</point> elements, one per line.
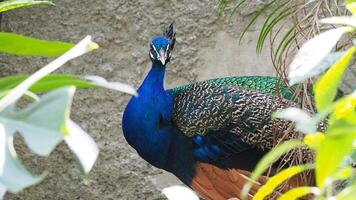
<point>207,46</point>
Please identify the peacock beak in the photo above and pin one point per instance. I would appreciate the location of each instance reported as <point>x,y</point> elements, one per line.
<point>162,56</point>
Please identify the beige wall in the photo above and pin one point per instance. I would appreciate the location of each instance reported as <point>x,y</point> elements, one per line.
<point>207,46</point>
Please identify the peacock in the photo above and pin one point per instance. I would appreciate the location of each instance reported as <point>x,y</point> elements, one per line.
<point>209,134</point>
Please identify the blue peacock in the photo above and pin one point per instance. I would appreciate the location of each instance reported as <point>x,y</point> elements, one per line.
<point>209,134</point>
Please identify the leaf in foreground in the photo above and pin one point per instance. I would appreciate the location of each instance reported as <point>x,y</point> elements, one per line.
<point>54,81</point>
<point>312,53</point>
<point>12,4</point>
<point>328,161</point>
<point>43,125</point>
<point>278,179</point>
<point>299,192</point>
<point>178,192</point>
<point>2,191</point>
<point>13,175</point>
<point>99,81</point>
<point>304,122</point>
<point>26,46</point>
<point>325,88</point>
<point>267,160</point>
<point>82,145</point>
<point>81,48</point>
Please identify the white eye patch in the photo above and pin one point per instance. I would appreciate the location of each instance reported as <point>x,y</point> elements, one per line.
<point>155,49</point>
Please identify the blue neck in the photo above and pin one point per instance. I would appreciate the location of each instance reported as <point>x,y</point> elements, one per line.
<point>148,127</point>
<point>154,79</point>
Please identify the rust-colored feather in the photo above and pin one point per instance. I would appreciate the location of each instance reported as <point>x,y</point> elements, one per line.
<point>213,183</point>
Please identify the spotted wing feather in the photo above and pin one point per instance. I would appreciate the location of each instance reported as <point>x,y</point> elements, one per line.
<point>262,84</point>
<point>208,107</point>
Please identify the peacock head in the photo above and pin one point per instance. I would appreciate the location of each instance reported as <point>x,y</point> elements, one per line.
<point>161,47</point>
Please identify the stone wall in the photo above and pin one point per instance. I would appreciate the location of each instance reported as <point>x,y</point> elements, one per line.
<point>207,46</point>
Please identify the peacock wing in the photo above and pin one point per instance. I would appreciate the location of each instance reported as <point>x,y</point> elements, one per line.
<point>207,107</point>
<point>262,84</point>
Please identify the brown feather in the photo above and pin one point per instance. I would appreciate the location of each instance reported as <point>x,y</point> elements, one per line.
<point>213,183</point>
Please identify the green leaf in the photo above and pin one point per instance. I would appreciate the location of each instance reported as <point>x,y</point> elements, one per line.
<point>312,53</point>
<point>299,192</point>
<point>278,179</point>
<point>327,161</point>
<point>271,22</point>
<point>255,17</point>
<point>268,160</point>
<point>287,39</point>
<point>26,46</point>
<point>81,48</point>
<point>49,82</point>
<point>236,8</point>
<point>326,87</point>
<point>12,4</point>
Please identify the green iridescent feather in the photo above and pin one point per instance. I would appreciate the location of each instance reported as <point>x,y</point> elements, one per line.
<point>263,84</point>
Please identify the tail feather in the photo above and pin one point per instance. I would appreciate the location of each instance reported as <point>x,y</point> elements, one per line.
<point>214,183</point>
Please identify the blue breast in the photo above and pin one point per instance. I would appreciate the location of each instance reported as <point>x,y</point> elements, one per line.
<point>147,127</point>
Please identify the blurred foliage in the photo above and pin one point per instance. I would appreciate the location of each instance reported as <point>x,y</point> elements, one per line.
<point>46,120</point>
<point>334,149</point>
<point>289,24</point>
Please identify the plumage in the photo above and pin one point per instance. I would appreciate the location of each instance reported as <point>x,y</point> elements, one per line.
<point>209,134</point>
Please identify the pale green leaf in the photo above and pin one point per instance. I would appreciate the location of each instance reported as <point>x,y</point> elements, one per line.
<point>348,193</point>
<point>81,48</point>
<point>178,192</point>
<point>26,46</point>
<point>343,20</point>
<point>297,193</point>
<point>304,122</point>
<point>326,63</point>
<point>12,4</point>
<point>326,87</point>
<point>268,160</point>
<point>278,179</point>
<point>41,123</point>
<point>82,145</point>
<point>2,190</point>
<point>312,53</point>
<point>99,81</point>
<point>13,175</point>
